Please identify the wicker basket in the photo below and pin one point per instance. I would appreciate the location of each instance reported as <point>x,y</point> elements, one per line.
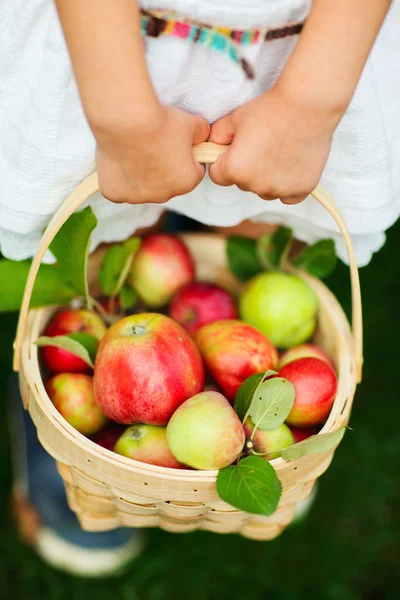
<point>107,490</point>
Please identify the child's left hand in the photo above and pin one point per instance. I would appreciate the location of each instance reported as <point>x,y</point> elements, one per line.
<point>279,148</point>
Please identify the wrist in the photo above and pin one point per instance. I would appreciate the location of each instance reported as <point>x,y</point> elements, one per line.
<point>121,127</point>
<point>310,101</point>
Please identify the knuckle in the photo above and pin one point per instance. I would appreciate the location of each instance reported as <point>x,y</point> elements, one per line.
<point>189,184</point>
<point>238,173</point>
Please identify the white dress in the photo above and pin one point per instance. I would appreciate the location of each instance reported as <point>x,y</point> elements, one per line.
<point>46,146</point>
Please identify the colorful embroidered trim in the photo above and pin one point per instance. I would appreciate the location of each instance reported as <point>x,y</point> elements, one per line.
<point>220,39</point>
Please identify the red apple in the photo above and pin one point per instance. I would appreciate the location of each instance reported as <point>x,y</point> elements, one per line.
<point>315,387</point>
<point>303,351</point>
<point>199,303</point>
<point>160,267</point>
<point>147,444</point>
<point>72,395</point>
<point>232,351</point>
<point>302,434</point>
<point>146,366</point>
<point>68,321</point>
<point>112,308</point>
<point>109,436</point>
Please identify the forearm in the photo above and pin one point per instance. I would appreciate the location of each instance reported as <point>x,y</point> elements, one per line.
<point>324,69</point>
<point>107,53</point>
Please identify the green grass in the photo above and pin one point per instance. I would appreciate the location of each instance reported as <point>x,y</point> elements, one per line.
<point>347,549</point>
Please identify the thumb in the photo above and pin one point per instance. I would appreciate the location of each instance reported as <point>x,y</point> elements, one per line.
<point>201,129</point>
<point>222,131</point>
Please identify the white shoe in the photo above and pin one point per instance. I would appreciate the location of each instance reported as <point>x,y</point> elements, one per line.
<point>85,562</point>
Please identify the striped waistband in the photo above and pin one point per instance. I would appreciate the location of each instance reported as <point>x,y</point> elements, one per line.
<point>221,39</point>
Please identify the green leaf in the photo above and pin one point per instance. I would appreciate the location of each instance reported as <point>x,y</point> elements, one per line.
<point>273,248</point>
<point>252,485</point>
<point>318,259</point>
<point>127,297</point>
<point>115,266</point>
<point>242,257</point>
<point>245,393</point>
<point>316,443</point>
<point>272,402</point>
<point>86,340</point>
<point>70,248</point>
<point>50,287</point>
<point>66,342</point>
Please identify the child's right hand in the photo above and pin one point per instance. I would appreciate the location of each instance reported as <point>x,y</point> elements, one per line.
<point>153,162</point>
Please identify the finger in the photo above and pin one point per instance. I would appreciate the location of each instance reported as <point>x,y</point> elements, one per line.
<point>201,129</point>
<point>292,199</point>
<point>222,131</point>
<point>267,197</point>
<point>219,173</point>
<point>200,172</point>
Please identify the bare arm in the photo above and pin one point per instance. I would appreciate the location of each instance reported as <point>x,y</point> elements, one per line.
<point>107,54</point>
<point>284,158</point>
<point>326,64</point>
<point>144,149</point>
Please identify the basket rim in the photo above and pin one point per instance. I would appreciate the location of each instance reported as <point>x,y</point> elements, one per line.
<point>30,357</point>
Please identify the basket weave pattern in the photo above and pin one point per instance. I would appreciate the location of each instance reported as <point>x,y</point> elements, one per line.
<point>108,491</point>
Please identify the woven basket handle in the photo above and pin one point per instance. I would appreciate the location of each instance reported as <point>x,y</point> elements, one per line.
<point>206,152</point>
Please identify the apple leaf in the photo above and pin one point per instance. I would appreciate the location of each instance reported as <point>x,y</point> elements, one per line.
<point>67,342</point>
<point>86,340</point>
<point>115,266</point>
<point>273,248</point>
<point>272,402</point>
<point>70,248</point>
<point>245,393</point>
<point>252,485</point>
<point>318,259</point>
<point>242,257</point>
<point>50,287</point>
<point>127,297</point>
<point>316,443</point>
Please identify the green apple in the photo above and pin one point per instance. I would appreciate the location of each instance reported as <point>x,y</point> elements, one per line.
<point>148,444</point>
<point>269,443</point>
<point>205,432</point>
<point>282,306</point>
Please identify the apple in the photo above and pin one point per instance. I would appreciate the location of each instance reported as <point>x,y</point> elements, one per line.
<point>232,351</point>
<point>282,306</point>
<point>302,351</point>
<point>199,303</point>
<point>147,444</point>
<point>302,434</point>
<point>112,306</point>
<point>205,432</point>
<point>315,386</point>
<point>146,366</point>
<point>68,321</point>
<point>109,436</point>
<point>211,387</point>
<point>269,443</point>
<point>160,267</point>
<point>72,395</point>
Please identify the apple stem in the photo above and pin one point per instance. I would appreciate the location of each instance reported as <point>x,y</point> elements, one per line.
<point>138,330</point>
<point>112,305</point>
<point>109,319</point>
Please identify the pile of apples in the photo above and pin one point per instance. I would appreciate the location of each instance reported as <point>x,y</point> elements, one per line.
<point>164,381</point>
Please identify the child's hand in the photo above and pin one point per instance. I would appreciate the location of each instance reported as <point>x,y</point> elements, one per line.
<point>278,147</point>
<point>152,163</point>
